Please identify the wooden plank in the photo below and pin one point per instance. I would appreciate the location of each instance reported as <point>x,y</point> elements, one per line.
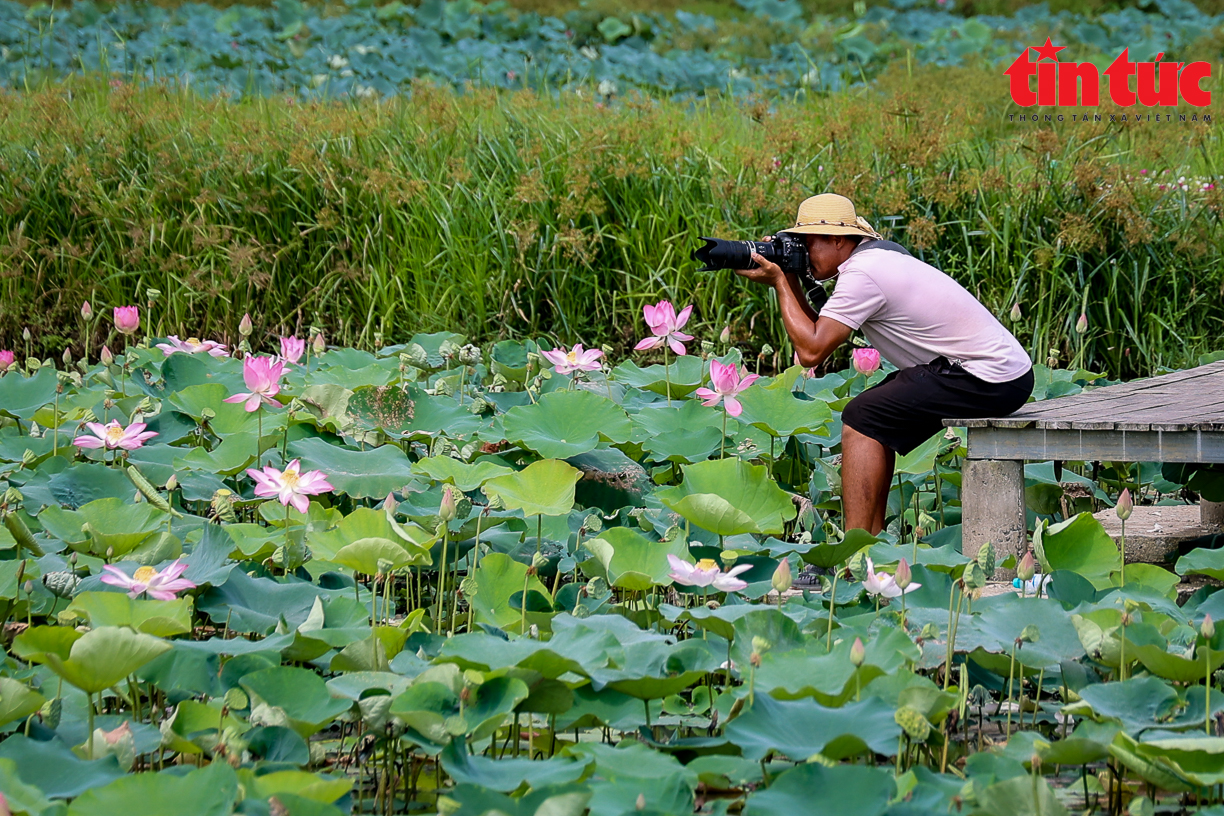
<point>1104,445</point>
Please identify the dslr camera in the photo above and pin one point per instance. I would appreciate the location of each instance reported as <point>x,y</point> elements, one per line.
<point>787,251</point>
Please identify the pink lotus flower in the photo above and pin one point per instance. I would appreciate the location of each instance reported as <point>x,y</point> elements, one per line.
<point>6,360</point>
<point>866,361</point>
<point>127,319</point>
<point>261,375</point>
<point>290,486</point>
<point>113,436</point>
<point>192,345</point>
<point>883,584</point>
<point>727,384</point>
<point>576,359</point>
<point>705,573</point>
<point>665,327</point>
<point>160,585</point>
<point>292,349</point>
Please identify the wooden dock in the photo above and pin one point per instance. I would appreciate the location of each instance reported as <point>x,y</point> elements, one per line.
<point>1176,417</point>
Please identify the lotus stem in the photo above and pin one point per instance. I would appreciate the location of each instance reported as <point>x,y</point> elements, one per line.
<point>667,375</point>
<point>832,607</point>
<point>442,577</point>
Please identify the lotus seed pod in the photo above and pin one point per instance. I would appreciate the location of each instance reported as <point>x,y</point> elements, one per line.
<point>470,355</point>
<point>913,723</point>
<point>858,652</point>
<point>903,577</point>
<point>13,496</point>
<point>244,326</point>
<point>707,348</point>
<point>152,296</point>
<point>728,557</point>
<point>61,584</point>
<point>1208,627</point>
<point>51,712</point>
<point>593,524</point>
<point>1027,566</point>
<point>760,644</point>
<point>108,359</point>
<point>1125,505</point>
<point>782,578</point>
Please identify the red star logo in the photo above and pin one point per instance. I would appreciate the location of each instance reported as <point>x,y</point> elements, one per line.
<point>1049,50</point>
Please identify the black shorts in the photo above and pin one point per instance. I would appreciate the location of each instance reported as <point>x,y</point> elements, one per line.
<point>909,405</point>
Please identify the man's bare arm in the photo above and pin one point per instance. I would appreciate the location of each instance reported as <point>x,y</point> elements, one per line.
<point>813,337</point>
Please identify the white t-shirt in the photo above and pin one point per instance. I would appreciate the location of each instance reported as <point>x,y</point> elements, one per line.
<point>912,313</point>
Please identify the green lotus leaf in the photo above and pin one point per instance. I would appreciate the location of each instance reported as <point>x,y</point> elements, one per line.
<point>158,618</point>
<point>211,791</point>
<point>206,404</point>
<point>1156,770</point>
<point>235,453</point>
<point>247,604</point>
<point>310,786</point>
<point>113,523</point>
<point>381,407</point>
<point>1088,743</point>
<point>1202,561</point>
<point>721,620</point>
<point>292,697</point>
<point>831,678</point>
<point>801,728</point>
<point>808,789</point>
<point>1081,545</point>
<point>20,797</point>
<point>485,652</point>
<point>508,774</point>
<point>104,656</point>
<point>83,482</point>
<point>368,474</point>
<point>566,423</point>
<point>690,433</point>
<point>831,555</point>
<point>1020,796</point>
<point>1199,759</point>
<point>656,669</point>
<point>509,359</point>
<point>17,700</point>
<point>1148,576</point>
<point>196,727</point>
<point>730,497</point>
<point>997,628</point>
<point>632,561</point>
<point>670,793</point>
<point>375,555</point>
<point>54,769</point>
<point>21,397</point>
<point>367,523</point>
<point>1145,643</point>
<point>779,411</point>
<point>687,374</point>
<point>463,475</point>
<point>1138,702</point>
<point>544,488</point>
<point>497,578</point>
<point>34,644</point>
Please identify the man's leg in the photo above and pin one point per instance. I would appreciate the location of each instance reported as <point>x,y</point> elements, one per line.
<point>867,470</point>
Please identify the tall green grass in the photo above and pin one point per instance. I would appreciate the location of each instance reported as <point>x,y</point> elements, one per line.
<point>502,215</point>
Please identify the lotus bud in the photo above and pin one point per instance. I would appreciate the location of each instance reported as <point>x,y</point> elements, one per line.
<point>1208,627</point>
<point>1015,312</point>
<point>858,652</point>
<point>447,510</point>
<point>782,578</point>
<point>1027,566</point>
<point>110,553</point>
<point>67,357</point>
<point>172,482</point>
<point>28,587</point>
<point>902,577</point>
<point>640,804</point>
<point>319,345</point>
<point>72,559</point>
<point>25,334</point>
<point>1081,325</point>
<point>724,336</point>
<point>244,326</point>
<point>1125,505</point>
<point>86,311</point>
<point>108,359</point>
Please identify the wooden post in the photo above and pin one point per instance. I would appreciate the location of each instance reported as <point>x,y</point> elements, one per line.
<point>1211,514</point>
<point>992,498</point>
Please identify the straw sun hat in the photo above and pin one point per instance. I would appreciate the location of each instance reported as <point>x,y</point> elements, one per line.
<point>830,214</point>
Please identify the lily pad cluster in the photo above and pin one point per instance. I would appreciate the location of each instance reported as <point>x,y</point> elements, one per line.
<point>438,578</point>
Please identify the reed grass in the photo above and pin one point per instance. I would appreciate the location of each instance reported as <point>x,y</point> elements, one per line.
<point>501,215</point>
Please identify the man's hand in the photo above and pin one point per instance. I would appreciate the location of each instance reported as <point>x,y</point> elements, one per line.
<point>767,272</point>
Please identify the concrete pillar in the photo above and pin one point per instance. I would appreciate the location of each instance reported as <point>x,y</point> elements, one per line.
<point>1211,513</point>
<point>992,499</point>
